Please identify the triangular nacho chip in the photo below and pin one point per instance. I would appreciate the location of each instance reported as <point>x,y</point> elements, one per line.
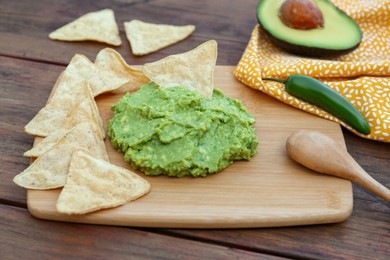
<point>49,171</point>
<point>94,184</point>
<point>86,111</point>
<point>100,79</point>
<point>193,69</point>
<point>96,26</point>
<point>67,95</point>
<point>146,38</point>
<point>53,115</point>
<point>110,60</point>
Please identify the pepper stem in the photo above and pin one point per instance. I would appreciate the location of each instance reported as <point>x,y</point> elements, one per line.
<point>277,80</point>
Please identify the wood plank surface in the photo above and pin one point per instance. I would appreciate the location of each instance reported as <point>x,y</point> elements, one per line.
<point>24,88</point>
<point>269,190</point>
<point>27,77</point>
<point>25,238</point>
<point>30,27</point>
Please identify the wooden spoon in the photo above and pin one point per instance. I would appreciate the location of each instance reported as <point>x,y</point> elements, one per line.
<point>322,154</point>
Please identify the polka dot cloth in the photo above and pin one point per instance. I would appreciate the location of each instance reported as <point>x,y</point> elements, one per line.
<point>362,76</point>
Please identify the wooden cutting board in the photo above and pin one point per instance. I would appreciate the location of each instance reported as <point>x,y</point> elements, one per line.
<point>270,190</point>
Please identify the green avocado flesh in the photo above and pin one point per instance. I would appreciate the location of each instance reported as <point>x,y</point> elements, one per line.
<point>340,34</point>
<point>177,132</point>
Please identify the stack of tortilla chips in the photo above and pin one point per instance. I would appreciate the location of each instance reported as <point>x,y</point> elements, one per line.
<point>73,154</point>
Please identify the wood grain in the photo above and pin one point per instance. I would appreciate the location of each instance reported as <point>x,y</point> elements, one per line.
<point>23,237</point>
<point>269,190</point>
<point>30,27</point>
<point>24,89</point>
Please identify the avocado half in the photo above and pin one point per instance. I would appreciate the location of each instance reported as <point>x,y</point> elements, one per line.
<point>340,34</point>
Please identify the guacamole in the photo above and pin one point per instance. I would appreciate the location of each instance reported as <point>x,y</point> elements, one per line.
<point>177,132</point>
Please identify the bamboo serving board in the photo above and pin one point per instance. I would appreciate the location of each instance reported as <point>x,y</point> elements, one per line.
<point>268,191</point>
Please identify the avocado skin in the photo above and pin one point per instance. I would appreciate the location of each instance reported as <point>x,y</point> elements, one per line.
<point>306,51</point>
<point>315,52</point>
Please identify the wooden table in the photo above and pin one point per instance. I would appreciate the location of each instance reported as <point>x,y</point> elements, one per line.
<point>29,66</point>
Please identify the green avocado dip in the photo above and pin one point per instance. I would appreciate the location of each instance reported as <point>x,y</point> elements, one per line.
<point>177,132</point>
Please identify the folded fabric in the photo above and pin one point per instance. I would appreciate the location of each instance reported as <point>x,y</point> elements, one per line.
<point>361,76</point>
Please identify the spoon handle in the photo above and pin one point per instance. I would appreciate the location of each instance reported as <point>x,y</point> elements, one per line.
<point>366,181</point>
<point>322,154</point>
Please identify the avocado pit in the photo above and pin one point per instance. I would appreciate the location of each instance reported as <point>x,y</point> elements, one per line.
<point>301,14</point>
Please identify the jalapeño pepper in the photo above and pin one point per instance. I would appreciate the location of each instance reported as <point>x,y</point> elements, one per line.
<point>319,94</point>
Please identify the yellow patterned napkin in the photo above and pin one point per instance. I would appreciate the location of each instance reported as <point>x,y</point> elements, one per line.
<point>362,76</point>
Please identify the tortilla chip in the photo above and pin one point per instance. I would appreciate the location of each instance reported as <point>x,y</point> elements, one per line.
<point>146,38</point>
<point>96,26</point>
<point>67,95</point>
<point>86,111</point>
<point>94,184</point>
<point>49,171</point>
<point>101,80</point>
<point>53,115</point>
<point>193,69</point>
<point>110,60</point>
